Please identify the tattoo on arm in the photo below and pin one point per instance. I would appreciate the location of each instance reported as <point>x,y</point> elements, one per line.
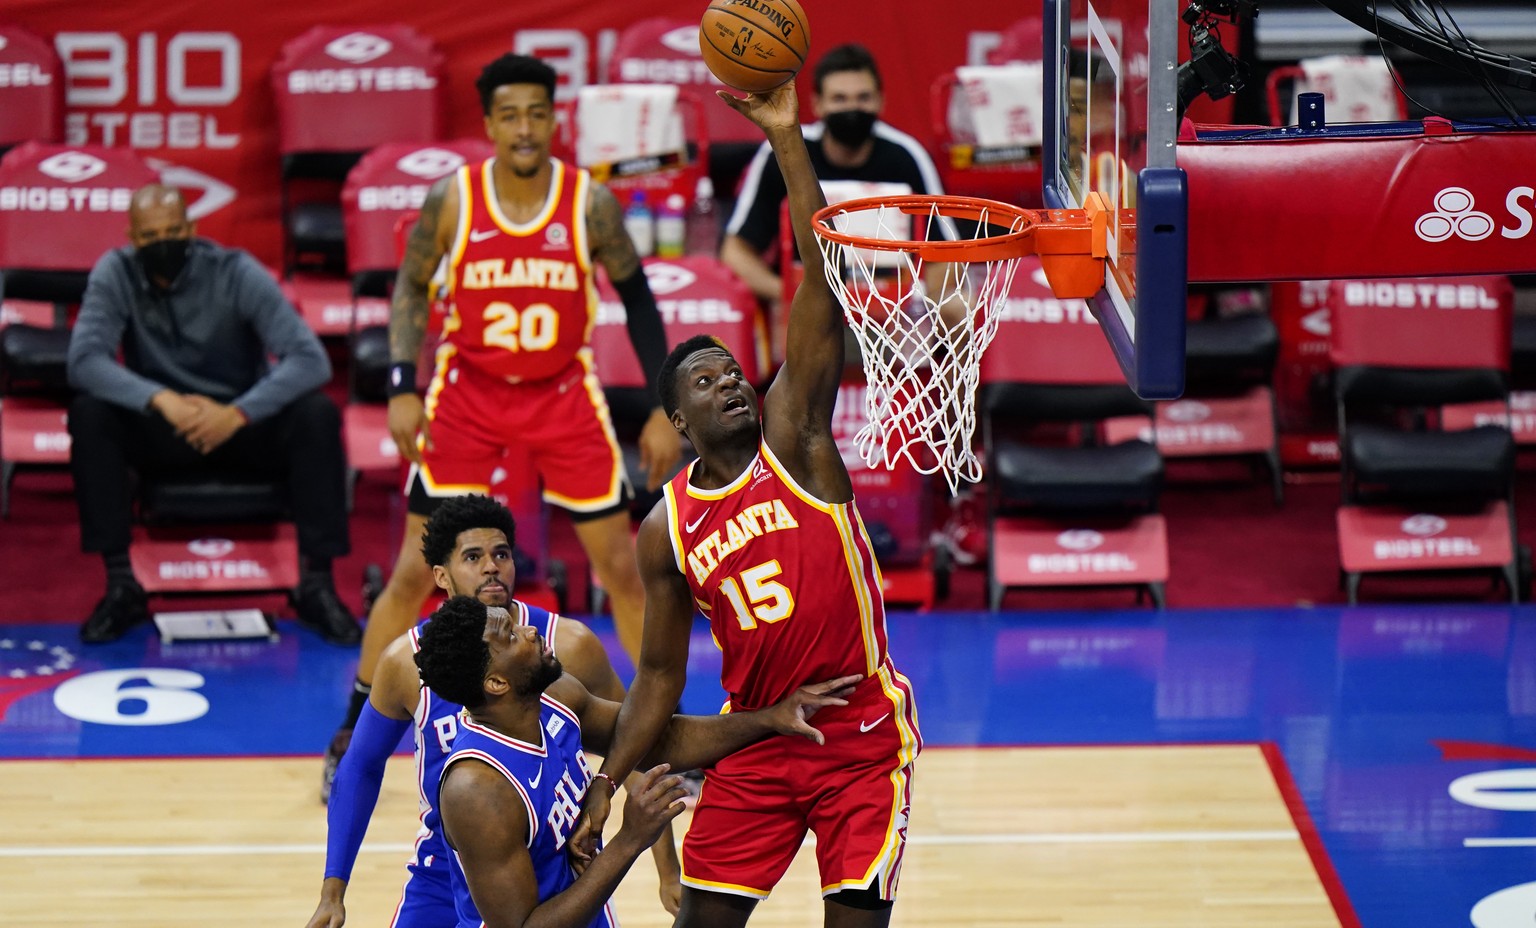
<point>410,306</point>
<point>610,243</point>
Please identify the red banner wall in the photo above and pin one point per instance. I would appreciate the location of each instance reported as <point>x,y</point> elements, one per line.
<point>187,83</point>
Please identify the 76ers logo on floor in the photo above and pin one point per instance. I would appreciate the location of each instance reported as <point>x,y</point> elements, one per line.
<point>31,666</point>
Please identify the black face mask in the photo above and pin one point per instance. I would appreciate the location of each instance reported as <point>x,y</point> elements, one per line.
<point>850,127</point>
<point>163,260</point>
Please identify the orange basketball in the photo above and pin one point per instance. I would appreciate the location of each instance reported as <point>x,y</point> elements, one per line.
<point>754,45</point>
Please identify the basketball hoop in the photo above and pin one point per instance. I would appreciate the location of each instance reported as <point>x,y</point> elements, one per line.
<point>924,304</point>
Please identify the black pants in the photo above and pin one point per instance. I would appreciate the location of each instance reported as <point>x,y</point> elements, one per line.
<point>300,447</point>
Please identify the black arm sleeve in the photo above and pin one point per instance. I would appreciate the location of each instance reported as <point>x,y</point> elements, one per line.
<point>646,333</point>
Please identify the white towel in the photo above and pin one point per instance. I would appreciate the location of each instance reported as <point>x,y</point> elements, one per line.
<point>998,106</point>
<point>1355,88</point>
<point>617,122</point>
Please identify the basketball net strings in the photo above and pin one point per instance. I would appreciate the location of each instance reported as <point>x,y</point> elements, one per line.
<point>921,340</point>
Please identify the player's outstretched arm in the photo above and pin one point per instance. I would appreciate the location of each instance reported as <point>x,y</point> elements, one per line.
<point>430,239</point>
<point>658,683</point>
<point>691,741</point>
<point>355,791</point>
<point>797,412</point>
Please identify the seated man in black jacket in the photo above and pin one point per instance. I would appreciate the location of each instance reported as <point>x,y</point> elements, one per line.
<point>196,390</point>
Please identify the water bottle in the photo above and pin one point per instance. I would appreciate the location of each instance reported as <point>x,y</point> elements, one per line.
<point>641,225</point>
<point>703,225</point>
<point>671,227</point>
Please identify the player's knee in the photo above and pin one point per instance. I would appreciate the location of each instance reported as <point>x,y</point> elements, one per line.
<point>866,898</point>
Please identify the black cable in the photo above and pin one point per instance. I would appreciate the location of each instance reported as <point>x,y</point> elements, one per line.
<point>1507,69</point>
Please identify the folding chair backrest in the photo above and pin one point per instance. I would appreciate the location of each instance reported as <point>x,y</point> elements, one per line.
<point>1421,323</point>
<point>347,89</point>
<point>389,182</point>
<point>666,51</point>
<point>32,96</point>
<point>1022,41</point>
<point>62,207</point>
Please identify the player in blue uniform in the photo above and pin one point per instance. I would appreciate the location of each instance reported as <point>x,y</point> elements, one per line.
<point>513,784</point>
<point>468,546</point>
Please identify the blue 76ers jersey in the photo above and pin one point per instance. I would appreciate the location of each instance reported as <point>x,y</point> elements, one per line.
<point>436,725</point>
<point>552,777</point>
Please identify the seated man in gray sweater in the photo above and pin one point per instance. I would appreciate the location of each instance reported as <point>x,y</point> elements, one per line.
<point>217,374</point>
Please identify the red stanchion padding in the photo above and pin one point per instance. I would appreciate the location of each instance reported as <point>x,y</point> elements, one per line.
<point>1042,339</point>
<point>392,181</point>
<point>62,207</point>
<point>32,92</point>
<point>1441,322</point>
<point>347,88</point>
<point>1431,204</point>
<point>697,295</point>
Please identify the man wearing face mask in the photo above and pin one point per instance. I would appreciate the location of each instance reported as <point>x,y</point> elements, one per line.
<point>848,143</point>
<point>197,389</point>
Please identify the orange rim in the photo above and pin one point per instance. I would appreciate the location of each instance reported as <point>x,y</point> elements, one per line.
<point>1013,244</point>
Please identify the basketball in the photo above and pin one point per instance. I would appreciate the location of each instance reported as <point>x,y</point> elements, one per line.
<point>754,45</point>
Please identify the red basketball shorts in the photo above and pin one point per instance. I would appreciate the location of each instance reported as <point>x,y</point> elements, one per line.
<point>560,424</point>
<point>854,793</point>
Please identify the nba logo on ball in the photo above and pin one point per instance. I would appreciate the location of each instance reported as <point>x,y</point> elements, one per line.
<point>754,45</point>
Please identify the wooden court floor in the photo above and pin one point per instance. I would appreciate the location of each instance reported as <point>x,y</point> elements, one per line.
<point>1156,837</point>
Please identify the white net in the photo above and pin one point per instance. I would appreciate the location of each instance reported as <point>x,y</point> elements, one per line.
<point>921,328</point>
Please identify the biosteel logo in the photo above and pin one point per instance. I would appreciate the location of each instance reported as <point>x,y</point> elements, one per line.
<point>1455,215</point>
<point>430,163</point>
<point>72,167</point>
<point>358,47</point>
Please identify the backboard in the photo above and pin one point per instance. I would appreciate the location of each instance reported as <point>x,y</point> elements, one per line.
<point>1111,129</point>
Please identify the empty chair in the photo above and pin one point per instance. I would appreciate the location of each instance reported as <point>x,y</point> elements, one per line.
<point>1228,406</point>
<point>32,97</point>
<point>1065,506</point>
<point>1417,496</point>
<point>340,91</point>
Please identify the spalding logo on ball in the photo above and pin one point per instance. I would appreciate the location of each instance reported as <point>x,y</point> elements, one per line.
<point>754,45</point>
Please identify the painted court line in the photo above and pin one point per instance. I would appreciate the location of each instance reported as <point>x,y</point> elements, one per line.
<point>1499,842</point>
<point>185,850</point>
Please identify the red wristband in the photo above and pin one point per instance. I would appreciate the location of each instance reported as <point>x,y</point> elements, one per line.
<point>613,785</point>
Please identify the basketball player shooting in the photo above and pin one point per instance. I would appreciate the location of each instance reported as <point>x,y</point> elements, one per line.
<point>763,534</point>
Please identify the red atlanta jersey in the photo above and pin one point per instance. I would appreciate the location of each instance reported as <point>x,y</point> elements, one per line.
<point>521,300</point>
<point>789,583</point>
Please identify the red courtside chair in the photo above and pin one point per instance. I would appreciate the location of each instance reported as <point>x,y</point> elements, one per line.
<point>340,91</point>
<point>1419,494</point>
<point>1067,505</point>
<point>32,96</point>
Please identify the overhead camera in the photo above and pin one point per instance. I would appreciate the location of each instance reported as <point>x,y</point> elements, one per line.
<point>1211,69</point>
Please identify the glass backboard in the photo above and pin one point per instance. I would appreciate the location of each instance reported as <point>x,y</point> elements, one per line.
<point>1111,128</point>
